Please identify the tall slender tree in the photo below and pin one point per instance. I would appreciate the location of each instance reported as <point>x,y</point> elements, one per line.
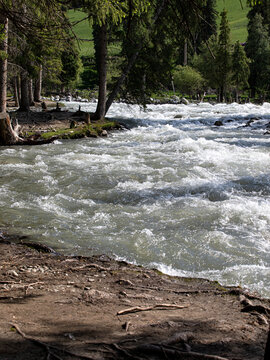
<point>223,56</point>
<point>240,68</point>
<point>3,61</point>
<point>258,50</point>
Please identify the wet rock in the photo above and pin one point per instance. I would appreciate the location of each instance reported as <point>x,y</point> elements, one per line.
<point>179,116</point>
<point>104,133</point>
<point>184,101</point>
<point>218,123</point>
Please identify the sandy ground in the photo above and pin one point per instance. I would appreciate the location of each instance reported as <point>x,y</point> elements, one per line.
<point>57,307</point>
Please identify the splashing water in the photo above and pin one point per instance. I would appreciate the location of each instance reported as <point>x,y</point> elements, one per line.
<point>178,194</point>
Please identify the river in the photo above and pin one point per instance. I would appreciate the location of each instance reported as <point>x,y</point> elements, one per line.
<point>178,194</point>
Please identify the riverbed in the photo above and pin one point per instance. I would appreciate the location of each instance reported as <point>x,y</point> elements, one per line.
<point>174,192</point>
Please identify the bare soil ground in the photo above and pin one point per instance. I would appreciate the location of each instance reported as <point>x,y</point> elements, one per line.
<point>51,119</point>
<point>58,307</point>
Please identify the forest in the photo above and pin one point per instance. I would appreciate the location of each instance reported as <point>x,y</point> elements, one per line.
<point>150,240</point>
<point>189,55</point>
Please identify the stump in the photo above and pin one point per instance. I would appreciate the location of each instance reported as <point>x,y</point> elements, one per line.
<point>7,135</point>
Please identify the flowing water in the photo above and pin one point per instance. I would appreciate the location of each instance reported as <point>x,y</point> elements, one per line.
<point>177,194</point>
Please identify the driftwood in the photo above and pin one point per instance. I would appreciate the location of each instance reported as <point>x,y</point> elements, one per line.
<point>154,307</point>
<point>10,135</point>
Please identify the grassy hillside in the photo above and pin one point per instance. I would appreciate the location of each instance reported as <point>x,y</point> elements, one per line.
<point>83,30</point>
<point>237,18</point>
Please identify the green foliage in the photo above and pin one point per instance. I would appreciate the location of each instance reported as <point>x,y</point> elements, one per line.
<point>223,56</point>
<point>240,66</point>
<point>70,65</point>
<point>187,80</point>
<point>258,50</point>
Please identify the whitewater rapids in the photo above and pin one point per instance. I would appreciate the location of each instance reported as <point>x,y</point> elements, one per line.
<point>175,192</point>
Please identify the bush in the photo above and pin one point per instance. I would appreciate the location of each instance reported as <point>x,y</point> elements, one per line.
<point>188,80</point>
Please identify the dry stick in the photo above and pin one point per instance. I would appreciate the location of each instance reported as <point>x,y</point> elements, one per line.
<point>98,267</point>
<point>47,346</point>
<point>148,308</point>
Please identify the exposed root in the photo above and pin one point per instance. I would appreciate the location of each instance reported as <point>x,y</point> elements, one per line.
<point>162,351</point>
<point>50,349</point>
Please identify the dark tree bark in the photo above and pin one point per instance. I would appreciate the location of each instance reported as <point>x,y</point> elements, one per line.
<point>102,67</point>
<point>38,86</point>
<point>30,92</point>
<point>16,91</point>
<point>3,64</point>
<point>24,106</point>
<point>267,349</point>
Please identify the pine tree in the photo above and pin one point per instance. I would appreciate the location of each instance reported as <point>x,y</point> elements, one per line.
<point>223,57</point>
<point>240,68</point>
<point>258,50</point>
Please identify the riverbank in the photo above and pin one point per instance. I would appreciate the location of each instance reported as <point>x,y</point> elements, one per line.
<point>98,308</point>
<point>50,121</point>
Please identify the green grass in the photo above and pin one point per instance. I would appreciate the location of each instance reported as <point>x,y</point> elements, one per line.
<point>236,15</point>
<point>237,18</point>
<point>84,33</point>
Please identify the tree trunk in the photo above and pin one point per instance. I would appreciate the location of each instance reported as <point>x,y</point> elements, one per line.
<point>19,88</point>
<point>267,348</point>
<point>16,93</point>
<point>8,136</point>
<point>30,91</point>
<point>185,60</point>
<point>38,86</point>
<point>102,67</point>
<point>3,64</point>
<point>24,94</point>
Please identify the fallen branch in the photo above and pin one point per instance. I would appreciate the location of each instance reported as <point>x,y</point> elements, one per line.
<point>148,308</point>
<point>47,347</point>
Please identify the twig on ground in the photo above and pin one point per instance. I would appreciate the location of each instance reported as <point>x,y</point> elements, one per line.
<point>98,267</point>
<point>154,307</point>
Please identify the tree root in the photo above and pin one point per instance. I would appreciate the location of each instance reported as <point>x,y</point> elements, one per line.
<point>169,353</point>
<point>154,307</point>
<point>49,348</point>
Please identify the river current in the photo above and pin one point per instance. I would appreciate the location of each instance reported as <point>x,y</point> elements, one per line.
<point>175,193</point>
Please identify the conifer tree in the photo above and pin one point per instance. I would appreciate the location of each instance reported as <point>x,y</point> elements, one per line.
<point>240,68</point>
<point>258,50</point>
<point>223,57</point>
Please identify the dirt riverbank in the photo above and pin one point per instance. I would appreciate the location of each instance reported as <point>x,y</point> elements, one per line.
<point>58,307</point>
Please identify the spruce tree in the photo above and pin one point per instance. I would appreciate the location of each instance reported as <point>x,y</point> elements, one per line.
<point>240,68</point>
<point>258,50</point>
<point>223,57</point>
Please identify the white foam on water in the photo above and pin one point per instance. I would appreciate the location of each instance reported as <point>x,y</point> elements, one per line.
<point>179,194</point>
